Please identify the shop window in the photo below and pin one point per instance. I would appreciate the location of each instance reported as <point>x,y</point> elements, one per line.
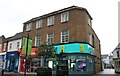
<point>81,65</point>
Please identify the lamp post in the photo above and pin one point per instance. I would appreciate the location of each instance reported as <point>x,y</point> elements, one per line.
<point>26,55</point>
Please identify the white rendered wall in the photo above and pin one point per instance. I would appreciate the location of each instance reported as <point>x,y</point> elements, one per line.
<point>14,45</point>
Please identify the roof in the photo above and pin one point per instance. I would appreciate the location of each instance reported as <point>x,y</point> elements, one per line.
<point>15,37</point>
<point>105,56</point>
<point>59,11</point>
<point>118,47</point>
<point>1,38</point>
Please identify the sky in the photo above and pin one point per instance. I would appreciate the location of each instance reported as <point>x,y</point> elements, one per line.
<point>13,13</point>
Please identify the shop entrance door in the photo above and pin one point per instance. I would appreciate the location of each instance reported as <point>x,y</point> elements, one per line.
<point>10,65</point>
<point>34,64</point>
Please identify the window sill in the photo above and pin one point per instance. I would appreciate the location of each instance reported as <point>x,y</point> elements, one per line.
<point>64,22</point>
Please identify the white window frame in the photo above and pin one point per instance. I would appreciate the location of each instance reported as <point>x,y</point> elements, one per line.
<point>18,45</point>
<point>38,24</point>
<point>10,46</point>
<point>4,47</point>
<point>37,43</point>
<point>0,47</point>
<point>50,38</point>
<point>50,21</point>
<point>90,39</point>
<point>65,17</point>
<point>28,26</point>
<point>66,36</point>
<point>89,21</point>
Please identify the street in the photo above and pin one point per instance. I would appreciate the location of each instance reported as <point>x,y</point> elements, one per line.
<point>108,72</point>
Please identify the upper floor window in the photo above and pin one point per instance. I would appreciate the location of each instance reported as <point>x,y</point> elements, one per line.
<point>118,55</point>
<point>65,17</point>
<point>10,46</point>
<point>65,36</point>
<point>90,39</point>
<point>50,38</point>
<point>89,20</point>
<point>37,40</point>
<point>4,46</point>
<point>0,47</point>
<point>18,44</point>
<point>38,24</point>
<point>28,26</point>
<point>50,20</point>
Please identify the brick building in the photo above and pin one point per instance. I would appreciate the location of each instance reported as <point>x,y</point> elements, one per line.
<point>2,52</point>
<point>69,28</point>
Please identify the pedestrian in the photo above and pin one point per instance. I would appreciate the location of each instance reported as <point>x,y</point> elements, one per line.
<point>2,72</point>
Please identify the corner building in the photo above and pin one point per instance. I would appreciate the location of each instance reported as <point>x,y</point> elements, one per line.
<point>70,29</point>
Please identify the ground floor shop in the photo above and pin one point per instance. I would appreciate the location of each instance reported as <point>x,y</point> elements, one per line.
<point>117,65</point>
<point>2,61</point>
<point>76,57</point>
<point>12,61</point>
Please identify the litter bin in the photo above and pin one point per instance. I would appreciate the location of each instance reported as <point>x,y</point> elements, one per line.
<point>62,71</point>
<point>44,72</point>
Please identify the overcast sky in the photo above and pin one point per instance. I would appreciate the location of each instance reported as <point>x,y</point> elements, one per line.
<point>13,13</point>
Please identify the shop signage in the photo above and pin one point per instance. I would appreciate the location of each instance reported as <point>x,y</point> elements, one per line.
<point>12,54</point>
<point>75,48</point>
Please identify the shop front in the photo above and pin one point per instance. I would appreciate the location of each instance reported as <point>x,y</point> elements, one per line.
<point>32,63</point>
<point>80,57</point>
<point>2,59</point>
<point>12,61</point>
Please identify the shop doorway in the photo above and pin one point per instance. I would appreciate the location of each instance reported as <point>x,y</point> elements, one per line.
<point>12,65</point>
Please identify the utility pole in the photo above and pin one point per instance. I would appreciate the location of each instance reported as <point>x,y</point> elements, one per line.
<point>26,55</point>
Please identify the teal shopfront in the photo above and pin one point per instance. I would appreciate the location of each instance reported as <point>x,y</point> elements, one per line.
<point>79,57</point>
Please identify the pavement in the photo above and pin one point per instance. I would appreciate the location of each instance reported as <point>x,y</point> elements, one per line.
<point>106,72</point>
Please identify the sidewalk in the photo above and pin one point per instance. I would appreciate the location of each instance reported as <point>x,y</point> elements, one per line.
<point>19,74</point>
<point>107,71</point>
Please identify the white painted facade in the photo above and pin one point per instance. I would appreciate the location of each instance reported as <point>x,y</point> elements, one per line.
<point>106,60</point>
<point>13,45</point>
<point>116,58</point>
<point>115,54</point>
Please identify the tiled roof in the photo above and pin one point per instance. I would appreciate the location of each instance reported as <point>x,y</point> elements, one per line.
<point>118,47</point>
<point>15,37</point>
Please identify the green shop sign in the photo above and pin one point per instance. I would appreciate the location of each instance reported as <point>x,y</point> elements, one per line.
<point>75,48</point>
